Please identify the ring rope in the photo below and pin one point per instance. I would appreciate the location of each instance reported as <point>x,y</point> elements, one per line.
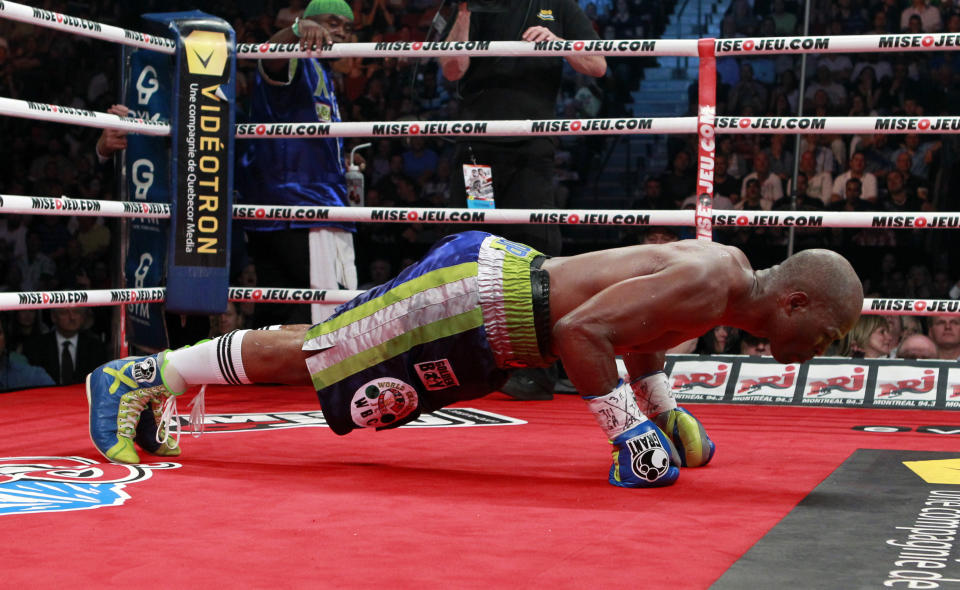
<point>84,27</point>
<point>25,109</point>
<point>629,47</point>
<point>519,127</point>
<point>105,297</point>
<point>614,47</point>
<point>721,218</point>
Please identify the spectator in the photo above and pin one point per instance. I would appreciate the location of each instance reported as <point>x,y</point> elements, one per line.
<point>913,184</point>
<point>945,333</point>
<point>825,82</point>
<point>659,234</point>
<point>754,345</point>
<point>306,171</point>
<point>380,272</point>
<point>895,329</point>
<point>419,161</point>
<point>911,325</point>
<point>678,183</point>
<point>941,285</point>
<point>895,196</point>
<point>25,325</point>
<point>922,155</point>
<point>770,185</point>
<point>16,372</point>
<point>917,346</point>
<point>747,93</point>
<point>869,338</point>
<point>751,200</point>
<point>437,190</point>
<point>877,152</point>
<point>929,16</point>
<point>685,347</point>
<point>719,340</point>
<point>780,157</point>
<point>94,237</point>
<point>288,14</point>
<point>805,202</point>
<point>35,270</point>
<point>67,353</point>
<point>724,184</point>
<point>13,236</point>
<point>228,321</point>
<point>247,277</point>
<point>824,157</point>
<point>857,171</point>
<point>785,23</point>
<point>819,185</point>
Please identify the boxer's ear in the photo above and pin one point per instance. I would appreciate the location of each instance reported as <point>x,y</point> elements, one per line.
<point>795,301</point>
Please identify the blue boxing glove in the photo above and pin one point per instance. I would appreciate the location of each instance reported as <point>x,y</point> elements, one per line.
<point>643,455</point>
<point>688,435</point>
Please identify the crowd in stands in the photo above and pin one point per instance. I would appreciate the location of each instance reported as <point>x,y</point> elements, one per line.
<point>909,172</point>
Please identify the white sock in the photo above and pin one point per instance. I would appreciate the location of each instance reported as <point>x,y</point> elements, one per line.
<point>213,361</point>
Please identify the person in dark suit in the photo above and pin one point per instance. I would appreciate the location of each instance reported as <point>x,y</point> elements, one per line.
<point>67,353</point>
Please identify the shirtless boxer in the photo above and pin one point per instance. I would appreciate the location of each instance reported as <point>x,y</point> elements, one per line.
<point>452,326</point>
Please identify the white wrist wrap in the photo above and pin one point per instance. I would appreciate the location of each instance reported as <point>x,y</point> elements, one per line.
<point>617,411</point>
<point>654,394</point>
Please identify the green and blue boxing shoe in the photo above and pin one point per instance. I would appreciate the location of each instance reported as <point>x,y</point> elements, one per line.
<point>126,398</point>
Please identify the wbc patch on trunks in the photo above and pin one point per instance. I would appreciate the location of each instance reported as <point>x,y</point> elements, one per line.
<point>382,401</point>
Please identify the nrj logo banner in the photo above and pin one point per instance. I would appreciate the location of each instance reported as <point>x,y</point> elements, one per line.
<point>29,485</point>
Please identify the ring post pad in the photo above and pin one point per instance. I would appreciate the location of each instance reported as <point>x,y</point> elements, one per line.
<point>147,91</point>
<point>202,118</point>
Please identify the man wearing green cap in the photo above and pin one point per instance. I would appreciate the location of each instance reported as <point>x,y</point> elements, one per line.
<point>299,171</point>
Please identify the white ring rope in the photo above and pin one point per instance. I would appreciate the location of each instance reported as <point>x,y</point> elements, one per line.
<point>627,47</point>
<point>606,126</point>
<point>84,27</point>
<point>24,109</point>
<point>614,47</point>
<point>103,297</point>
<point>616,217</point>
<point>611,126</point>
<point>29,205</point>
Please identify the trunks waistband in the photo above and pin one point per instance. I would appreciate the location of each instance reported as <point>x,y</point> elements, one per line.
<point>540,299</point>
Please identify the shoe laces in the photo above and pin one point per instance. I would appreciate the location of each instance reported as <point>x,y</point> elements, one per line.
<point>170,417</point>
<point>131,405</point>
<point>198,410</point>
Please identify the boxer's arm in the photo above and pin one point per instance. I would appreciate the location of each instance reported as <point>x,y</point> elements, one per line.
<point>639,315</point>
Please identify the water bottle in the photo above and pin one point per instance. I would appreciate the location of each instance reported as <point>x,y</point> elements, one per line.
<point>354,179</point>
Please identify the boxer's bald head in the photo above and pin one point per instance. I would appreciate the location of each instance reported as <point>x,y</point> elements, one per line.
<point>818,298</point>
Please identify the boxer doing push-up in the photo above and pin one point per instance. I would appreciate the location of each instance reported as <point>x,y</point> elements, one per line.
<point>451,327</point>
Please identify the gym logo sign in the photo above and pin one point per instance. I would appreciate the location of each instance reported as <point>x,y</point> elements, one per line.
<point>206,52</point>
<point>29,485</point>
